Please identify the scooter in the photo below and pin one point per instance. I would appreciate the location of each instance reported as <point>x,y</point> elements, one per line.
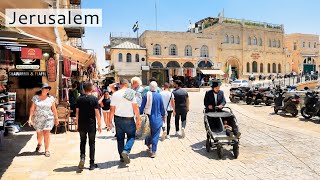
<point>238,94</point>
<point>286,104</point>
<point>267,97</point>
<point>311,105</point>
<point>253,95</point>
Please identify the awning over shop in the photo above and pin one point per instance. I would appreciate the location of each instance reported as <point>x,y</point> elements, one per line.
<point>46,34</point>
<point>218,72</point>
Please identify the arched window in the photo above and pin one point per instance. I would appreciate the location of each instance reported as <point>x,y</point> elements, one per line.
<point>120,57</point>
<point>303,44</point>
<point>294,46</point>
<point>188,50</point>
<point>279,68</point>
<point>309,44</point>
<point>260,41</point>
<point>157,49</point>
<point>248,67</point>
<point>232,39</point>
<point>173,50</point>
<point>269,42</point>
<point>274,43</point>
<point>137,57</point>
<point>279,44</point>
<point>204,51</point>
<point>261,67</point>
<point>249,40</point>
<point>129,57</point>
<point>274,68</point>
<point>254,41</point>
<point>269,68</point>
<point>226,39</point>
<point>238,40</point>
<point>315,45</point>
<point>254,67</point>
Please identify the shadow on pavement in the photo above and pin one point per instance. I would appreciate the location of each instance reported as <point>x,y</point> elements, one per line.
<point>69,169</point>
<point>213,154</point>
<point>31,154</point>
<point>107,137</point>
<point>110,164</point>
<point>314,120</point>
<point>12,146</point>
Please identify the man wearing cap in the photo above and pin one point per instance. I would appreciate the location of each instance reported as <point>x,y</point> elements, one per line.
<point>214,98</point>
<point>123,109</point>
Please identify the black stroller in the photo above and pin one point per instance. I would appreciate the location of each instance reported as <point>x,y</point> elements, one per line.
<point>216,136</point>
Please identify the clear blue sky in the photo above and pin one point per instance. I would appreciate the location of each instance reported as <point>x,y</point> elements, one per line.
<point>173,15</point>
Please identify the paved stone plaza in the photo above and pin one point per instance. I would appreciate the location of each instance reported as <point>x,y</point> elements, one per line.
<point>272,147</point>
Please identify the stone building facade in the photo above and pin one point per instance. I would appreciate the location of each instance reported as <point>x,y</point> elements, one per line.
<point>236,47</point>
<point>128,59</point>
<point>303,52</point>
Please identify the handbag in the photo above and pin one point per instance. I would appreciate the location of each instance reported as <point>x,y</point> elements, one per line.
<point>144,131</point>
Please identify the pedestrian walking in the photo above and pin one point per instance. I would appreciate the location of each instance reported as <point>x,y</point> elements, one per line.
<point>152,105</point>
<point>168,102</point>
<point>182,103</point>
<point>43,115</point>
<point>147,89</point>
<point>105,102</point>
<point>123,109</point>
<point>73,97</point>
<point>136,86</point>
<point>86,114</point>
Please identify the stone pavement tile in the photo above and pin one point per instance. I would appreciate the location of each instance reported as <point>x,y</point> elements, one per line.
<point>15,176</point>
<point>39,175</point>
<point>70,177</point>
<point>135,177</point>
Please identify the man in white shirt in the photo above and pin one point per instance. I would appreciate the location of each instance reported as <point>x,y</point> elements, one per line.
<point>123,109</point>
<point>168,102</point>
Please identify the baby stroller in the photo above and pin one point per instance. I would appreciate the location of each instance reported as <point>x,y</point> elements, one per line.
<point>216,136</point>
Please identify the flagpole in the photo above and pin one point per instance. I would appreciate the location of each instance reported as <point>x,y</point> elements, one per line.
<point>138,37</point>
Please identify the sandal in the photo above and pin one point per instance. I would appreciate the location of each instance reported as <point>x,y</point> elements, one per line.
<point>47,154</point>
<point>38,148</point>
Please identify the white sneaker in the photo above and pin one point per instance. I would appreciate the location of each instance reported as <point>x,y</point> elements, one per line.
<point>177,134</point>
<point>182,133</point>
<point>167,136</point>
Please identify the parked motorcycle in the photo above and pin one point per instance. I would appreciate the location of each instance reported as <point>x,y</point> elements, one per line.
<point>286,104</point>
<point>311,105</point>
<point>238,94</point>
<point>262,77</point>
<point>254,96</point>
<point>267,97</point>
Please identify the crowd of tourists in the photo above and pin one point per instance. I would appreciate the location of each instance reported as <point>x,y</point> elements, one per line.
<point>122,105</point>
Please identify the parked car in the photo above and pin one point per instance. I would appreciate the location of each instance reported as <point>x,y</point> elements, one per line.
<point>239,83</point>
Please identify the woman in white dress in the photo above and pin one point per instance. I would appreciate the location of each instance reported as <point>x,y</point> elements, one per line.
<point>43,115</point>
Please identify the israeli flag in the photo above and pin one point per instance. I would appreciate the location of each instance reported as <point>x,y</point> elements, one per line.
<point>135,27</point>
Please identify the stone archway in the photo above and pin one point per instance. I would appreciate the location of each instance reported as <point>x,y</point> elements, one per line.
<point>234,66</point>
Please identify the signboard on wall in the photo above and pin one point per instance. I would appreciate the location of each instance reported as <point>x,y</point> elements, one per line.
<point>31,53</point>
<point>255,55</point>
<point>27,73</point>
<point>52,70</point>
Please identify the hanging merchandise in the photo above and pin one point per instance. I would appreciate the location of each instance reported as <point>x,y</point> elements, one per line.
<point>66,67</point>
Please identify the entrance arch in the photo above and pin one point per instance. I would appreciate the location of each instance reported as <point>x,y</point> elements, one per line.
<point>156,64</point>
<point>173,64</point>
<point>233,64</point>
<point>205,64</point>
<point>188,65</point>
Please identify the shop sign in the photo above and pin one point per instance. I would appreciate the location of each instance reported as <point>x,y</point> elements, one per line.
<point>145,68</point>
<point>27,73</point>
<point>52,70</point>
<point>255,55</point>
<point>27,64</point>
<point>31,53</point>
